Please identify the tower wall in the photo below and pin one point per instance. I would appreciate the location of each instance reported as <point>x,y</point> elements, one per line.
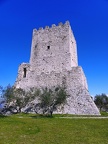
<point>53,62</point>
<point>73,48</point>
<point>51,49</point>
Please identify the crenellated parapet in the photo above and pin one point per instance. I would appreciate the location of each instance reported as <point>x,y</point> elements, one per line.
<point>53,26</point>
<point>56,45</point>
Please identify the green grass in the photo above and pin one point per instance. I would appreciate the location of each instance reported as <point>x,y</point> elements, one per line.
<point>32,129</point>
<point>105,114</point>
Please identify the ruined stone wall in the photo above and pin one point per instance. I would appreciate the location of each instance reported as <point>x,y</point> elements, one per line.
<point>23,76</point>
<point>73,78</point>
<point>79,101</point>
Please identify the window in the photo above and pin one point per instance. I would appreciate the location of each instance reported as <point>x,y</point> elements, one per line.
<point>48,47</point>
<point>36,45</point>
<point>25,72</point>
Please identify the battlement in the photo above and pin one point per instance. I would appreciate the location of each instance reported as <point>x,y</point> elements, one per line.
<point>53,26</point>
<point>53,48</point>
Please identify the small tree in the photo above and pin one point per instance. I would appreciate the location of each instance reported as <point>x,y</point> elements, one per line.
<point>51,99</point>
<point>101,101</point>
<point>8,93</point>
<point>44,100</point>
<point>20,99</point>
<point>16,99</point>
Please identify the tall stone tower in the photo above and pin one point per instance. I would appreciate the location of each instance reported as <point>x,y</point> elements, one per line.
<point>53,62</point>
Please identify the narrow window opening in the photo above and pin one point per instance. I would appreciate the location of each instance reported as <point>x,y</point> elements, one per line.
<point>25,73</point>
<point>35,46</point>
<point>48,47</point>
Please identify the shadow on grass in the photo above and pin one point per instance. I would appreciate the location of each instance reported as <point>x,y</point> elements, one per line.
<point>43,116</point>
<point>2,116</point>
<point>37,116</point>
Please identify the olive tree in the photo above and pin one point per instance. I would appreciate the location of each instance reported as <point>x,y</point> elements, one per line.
<point>16,99</point>
<point>50,100</point>
<point>101,100</point>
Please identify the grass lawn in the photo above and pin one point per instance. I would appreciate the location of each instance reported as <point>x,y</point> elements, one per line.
<point>29,129</point>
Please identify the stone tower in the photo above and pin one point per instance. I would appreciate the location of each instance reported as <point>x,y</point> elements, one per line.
<point>53,61</point>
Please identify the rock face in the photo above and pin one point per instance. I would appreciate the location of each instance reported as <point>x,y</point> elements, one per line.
<point>53,62</point>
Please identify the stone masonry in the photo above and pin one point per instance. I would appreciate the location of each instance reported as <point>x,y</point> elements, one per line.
<point>53,61</point>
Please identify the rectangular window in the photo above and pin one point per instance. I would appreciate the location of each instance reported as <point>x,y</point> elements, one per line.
<point>48,47</point>
<point>25,72</point>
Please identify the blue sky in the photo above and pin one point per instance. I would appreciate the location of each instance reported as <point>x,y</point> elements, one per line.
<point>89,22</point>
